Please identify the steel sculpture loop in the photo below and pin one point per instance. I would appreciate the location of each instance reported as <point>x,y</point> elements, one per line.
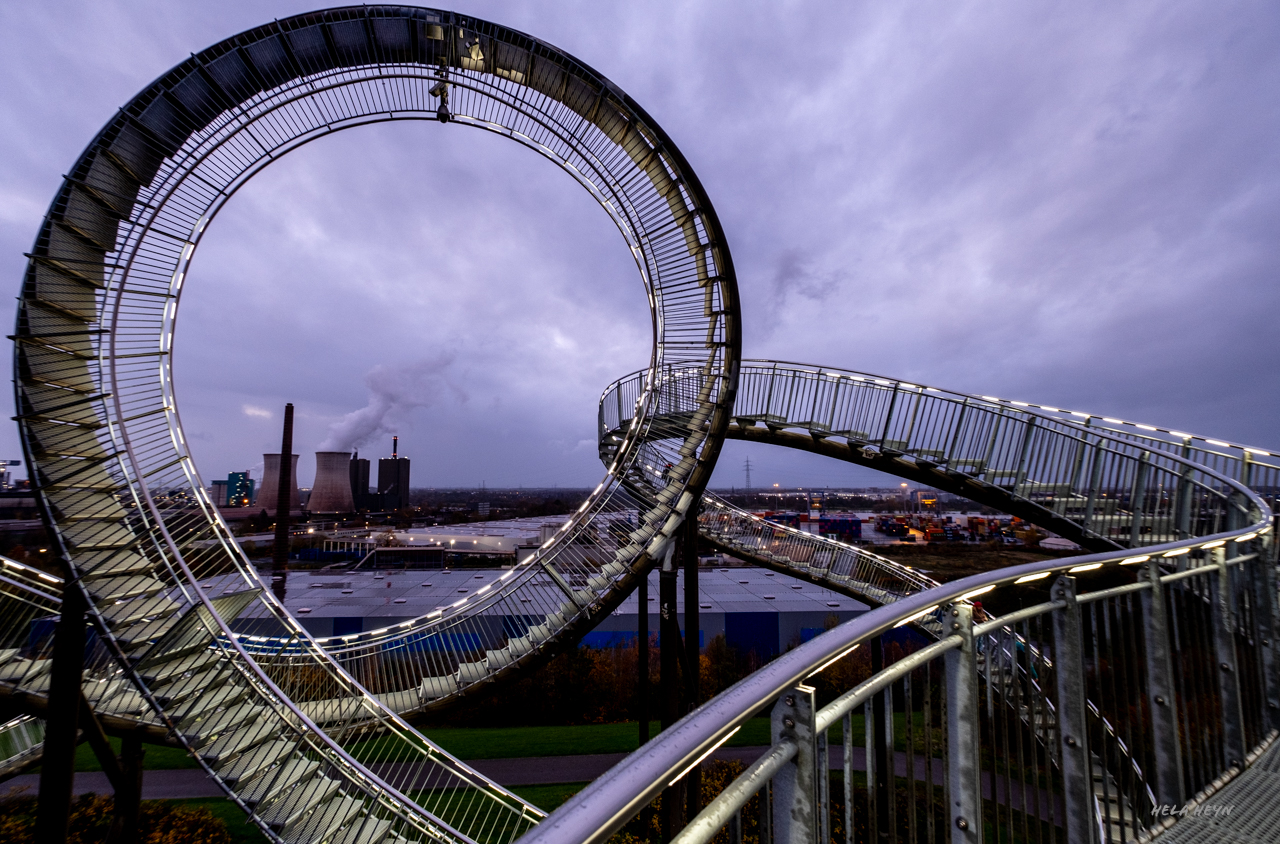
<point>122,497</point>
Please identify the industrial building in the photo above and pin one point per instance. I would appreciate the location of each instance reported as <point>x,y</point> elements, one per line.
<point>268,497</point>
<point>393,478</point>
<point>754,609</point>
<point>331,492</point>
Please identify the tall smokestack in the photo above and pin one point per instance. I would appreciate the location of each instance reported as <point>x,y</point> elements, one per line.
<point>284,481</point>
<point>395,447</point>
<point>332,490</point>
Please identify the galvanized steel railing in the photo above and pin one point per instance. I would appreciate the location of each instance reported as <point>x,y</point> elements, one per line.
<point>1099,487</point>
<point>986,734</point>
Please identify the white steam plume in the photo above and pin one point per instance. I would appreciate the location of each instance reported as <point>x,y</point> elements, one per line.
<point>393,392</point>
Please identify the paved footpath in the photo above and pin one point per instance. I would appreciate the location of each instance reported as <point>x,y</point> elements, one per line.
<point>538,770</point>
<point>544,770</point>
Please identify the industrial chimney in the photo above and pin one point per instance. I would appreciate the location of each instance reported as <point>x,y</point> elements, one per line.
<point>267,494</point>
<point>332,490</point>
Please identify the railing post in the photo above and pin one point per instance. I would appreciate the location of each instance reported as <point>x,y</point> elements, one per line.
<point>1263,580</point>
<point>795,795</point>
<point>1138,500</point>
<point>1224,645</point>
<point>963,734</point>
<point>1161,700</point>
<point>1073,737</point>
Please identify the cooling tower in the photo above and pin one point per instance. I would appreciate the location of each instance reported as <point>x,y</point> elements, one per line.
<point>267,495</point>
<point>332,490</point>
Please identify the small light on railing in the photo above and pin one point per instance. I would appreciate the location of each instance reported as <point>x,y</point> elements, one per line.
<point>1265,531</point>
<point>824,666</point>
<point>1133,561</point>
<point>1113,421</point>
<point>1030,577</point>
<point>917,616</point>
<point>1218,442</point>
<point>1246,537</point>
<point>1214,544</point>
<point>976,592</point>
<point>1085,567</point>
<point>1177,553</point>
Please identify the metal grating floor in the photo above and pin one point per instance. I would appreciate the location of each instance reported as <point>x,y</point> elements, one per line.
<point>1245,811</point>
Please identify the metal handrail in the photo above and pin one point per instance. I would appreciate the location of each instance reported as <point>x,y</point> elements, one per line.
<point>603,807</point>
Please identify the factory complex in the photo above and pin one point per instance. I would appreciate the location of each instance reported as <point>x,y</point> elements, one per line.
<point>341,485</point>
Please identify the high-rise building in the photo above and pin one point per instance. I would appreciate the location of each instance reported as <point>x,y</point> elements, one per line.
<point>393,478</point>
<point>239,490</point>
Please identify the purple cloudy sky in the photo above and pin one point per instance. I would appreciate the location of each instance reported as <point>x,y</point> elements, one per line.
<point>1073,204</point>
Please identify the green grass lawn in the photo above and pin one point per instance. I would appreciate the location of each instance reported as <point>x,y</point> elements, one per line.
<point>157,758</point>
<point>548,798</point>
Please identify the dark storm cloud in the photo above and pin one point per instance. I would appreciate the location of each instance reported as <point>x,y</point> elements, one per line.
<point>1076,205</point>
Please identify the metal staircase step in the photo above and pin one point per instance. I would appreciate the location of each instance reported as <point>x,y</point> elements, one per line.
<point>190,631</point>
<point>201,732</point>
<point>161,672</point>
<point>111,589</point>
<point>95,534</point>
<point>366,830</point>
<point>276,780</point>
<point>7,654</point>
<point>208,702</point>
<point>432,688</point>
<point>302,799</point>
<point>239,741</point>
<point>247,765</point>
<point>205,682</point>
<point>470,672</point>
<point>111,564</point>
<point>138,635</point>
<point>24,669</point>
<point>137,609</point>
<point>324,821</point>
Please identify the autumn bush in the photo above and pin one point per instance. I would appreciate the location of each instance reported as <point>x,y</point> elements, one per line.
<point>159,822</point>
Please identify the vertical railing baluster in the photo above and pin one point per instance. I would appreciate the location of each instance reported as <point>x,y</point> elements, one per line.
<point>1073,737</point>
<point>963,745</point>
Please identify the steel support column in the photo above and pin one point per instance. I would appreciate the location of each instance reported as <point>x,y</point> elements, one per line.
<point>692,643</point>
<point>642,658</point>
<point>669,647</point>
<point>57,769</point>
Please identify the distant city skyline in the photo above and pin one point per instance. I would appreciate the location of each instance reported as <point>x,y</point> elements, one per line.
<point>1073,206</point>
